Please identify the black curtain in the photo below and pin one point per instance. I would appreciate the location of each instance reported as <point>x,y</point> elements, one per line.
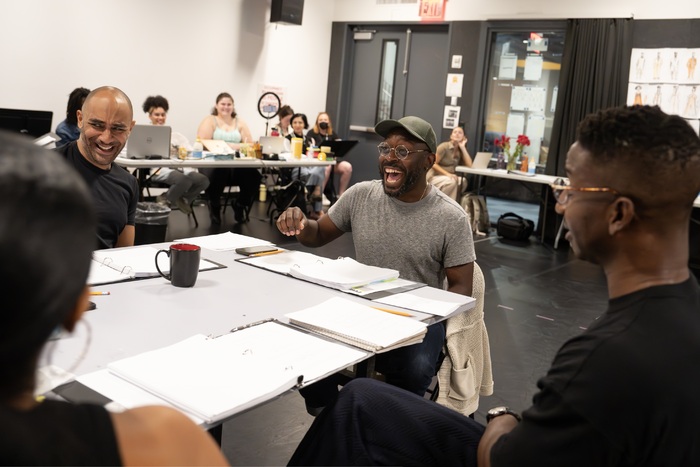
<point>594,76</point>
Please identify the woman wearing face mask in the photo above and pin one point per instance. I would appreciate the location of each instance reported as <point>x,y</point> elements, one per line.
<point>322,131</point>
<point>312,177</point>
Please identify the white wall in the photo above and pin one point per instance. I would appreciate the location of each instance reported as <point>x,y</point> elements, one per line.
<point>186,50</point>
<point>463,10</point>
<point>189,51</point>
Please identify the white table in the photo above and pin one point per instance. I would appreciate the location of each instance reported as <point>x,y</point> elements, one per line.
<point>502,173</point>
<point>143,315</point>
<point>510,175</point>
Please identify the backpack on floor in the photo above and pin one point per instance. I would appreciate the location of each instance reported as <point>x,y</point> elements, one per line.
<point>475,206</point>
<point>514,227</point>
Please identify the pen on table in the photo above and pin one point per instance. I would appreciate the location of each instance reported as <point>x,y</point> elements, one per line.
<point>267,253</point>
<point>99,293</point>
<point>393,312</point>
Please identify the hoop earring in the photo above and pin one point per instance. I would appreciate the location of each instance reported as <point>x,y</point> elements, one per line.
<point>83,352</point>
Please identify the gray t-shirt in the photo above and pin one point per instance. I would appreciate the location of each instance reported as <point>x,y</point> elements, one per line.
<point>418,239</point>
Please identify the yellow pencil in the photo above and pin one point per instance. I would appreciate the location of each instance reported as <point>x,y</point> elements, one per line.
<point>267,253</point>
<point>393,312</point>
<point>99,293</point>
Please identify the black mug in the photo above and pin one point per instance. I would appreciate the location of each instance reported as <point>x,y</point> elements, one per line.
<point>184,264</point>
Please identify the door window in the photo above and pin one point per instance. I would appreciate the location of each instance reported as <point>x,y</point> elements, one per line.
<point>387,76</point>
<point>522,86</point>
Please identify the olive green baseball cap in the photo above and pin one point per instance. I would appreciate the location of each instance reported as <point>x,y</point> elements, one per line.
<point>416,126</point>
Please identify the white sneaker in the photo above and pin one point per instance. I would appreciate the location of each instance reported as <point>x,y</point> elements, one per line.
<point>162,200</point>
<point>325,201</point>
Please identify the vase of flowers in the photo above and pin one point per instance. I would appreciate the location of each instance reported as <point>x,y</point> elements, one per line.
<point>512,156</point>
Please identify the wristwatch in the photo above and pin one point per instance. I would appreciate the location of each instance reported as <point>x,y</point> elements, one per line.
<point>498,411</point>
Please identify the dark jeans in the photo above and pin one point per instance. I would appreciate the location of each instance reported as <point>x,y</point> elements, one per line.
<point>411,368</point>
<point>248,180</point>
<point>373,423</point>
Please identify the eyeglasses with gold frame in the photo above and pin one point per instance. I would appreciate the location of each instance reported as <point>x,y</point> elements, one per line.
<point>562,190</point>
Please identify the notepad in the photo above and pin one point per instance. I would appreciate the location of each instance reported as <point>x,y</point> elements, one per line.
<point>359,325</point>
<point>115,265</point>
<point>341,273</point>
<point>224,241</point>
<point>213,378</point>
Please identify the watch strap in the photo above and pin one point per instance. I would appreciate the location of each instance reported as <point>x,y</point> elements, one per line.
<point>497,412</point>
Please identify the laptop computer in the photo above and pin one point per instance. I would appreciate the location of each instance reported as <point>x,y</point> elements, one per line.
<point>340,147</point>
<point>481,160</point>
<point>274,144</point>
<point>149,142</point>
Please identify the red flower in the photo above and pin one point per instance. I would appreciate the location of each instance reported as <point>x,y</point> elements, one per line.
<point>503,142</point>
<point>523,140</point>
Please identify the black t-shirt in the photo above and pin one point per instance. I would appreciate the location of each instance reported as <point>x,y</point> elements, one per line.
<point>58,433</point>
<point>114,195</point>
<point>625,392</point>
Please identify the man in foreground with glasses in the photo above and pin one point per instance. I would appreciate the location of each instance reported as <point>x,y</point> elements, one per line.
<point>105,122</point>
<point>622,393</point>
<point>398,222</point>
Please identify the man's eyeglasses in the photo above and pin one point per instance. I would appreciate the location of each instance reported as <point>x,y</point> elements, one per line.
<point>401,151</point>
<point>562,190</point>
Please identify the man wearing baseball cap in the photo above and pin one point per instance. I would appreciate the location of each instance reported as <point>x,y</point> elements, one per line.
<point>399,222</point>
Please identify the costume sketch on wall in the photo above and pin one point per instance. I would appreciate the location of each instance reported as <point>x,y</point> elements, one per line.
<point>673,66</point>
<point>658,63</point>
<point>667,77</point>
<point>691,107</point>
<point>691,64</point>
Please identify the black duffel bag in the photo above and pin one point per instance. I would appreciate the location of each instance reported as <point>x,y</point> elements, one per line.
<point>514,227</point>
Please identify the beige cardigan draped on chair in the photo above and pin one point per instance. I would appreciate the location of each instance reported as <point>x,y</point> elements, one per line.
<point>465,373</point>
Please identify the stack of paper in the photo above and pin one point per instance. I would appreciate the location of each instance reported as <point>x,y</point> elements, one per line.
<point>213,378</point>
<point>359,325</point>
<point>224,241</point>
<point>342,273</point>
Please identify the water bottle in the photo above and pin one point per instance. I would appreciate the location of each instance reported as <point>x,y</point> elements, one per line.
<point>263,193</point>
<point>197,149</point>
<point>531,166</point>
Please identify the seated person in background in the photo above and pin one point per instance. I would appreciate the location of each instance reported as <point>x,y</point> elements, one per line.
<point>311,176</point>
<point>398,222</point>
<point>225,124</point>
<point>184,186</point>
<point>46,250</point>
<point>449,155</point>
<point>68,129</point>
<point>105,123</point>
<point>322,131</point>
<point>285,116</point>
<point>623,392</point>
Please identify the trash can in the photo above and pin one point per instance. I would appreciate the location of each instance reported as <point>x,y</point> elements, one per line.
<point>151,223</point>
